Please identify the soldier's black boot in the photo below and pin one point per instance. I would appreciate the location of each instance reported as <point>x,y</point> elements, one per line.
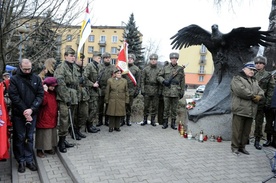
<point>81,135</point>
<point>106,120</point>
<point>128,120</point>
<point>100,123</point>
<point>152,121</point>
<point>165,123</point>
<point>268,140</point>
<point>273,144</point>
<point>145,121</point>
<point>123,121</point>
<point>76,134</point>
<point>67,144</point>
<point>257,143</point>
<point>90,128</point>
<point>173,124</point>
<point>61,145</point>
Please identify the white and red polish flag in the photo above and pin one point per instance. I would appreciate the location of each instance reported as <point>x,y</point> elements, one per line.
<point>122,62</point>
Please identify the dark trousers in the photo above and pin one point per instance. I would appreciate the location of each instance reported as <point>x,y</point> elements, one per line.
<point>114,121</point>
<point>241,127</point>
<point>269,117</point>
<point>23,139</point>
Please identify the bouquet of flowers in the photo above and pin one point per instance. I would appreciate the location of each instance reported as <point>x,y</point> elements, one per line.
<point>191,105</point>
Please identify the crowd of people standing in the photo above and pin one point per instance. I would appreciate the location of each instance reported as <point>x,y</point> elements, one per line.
<point>67,98</point>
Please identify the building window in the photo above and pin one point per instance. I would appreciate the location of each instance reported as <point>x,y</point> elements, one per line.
<point>90,60</point>
<point>102,39</point>
<point>113,61</point>
<point>102,49</point>
<point>90,49</point>
<point>201,78</point>
<point>114,39</point>
<point>201,69</point>
<point>202,59</point>
<point>203,49</point>
<point>91,38</point>
<point>69,37</point>
<point>113,50</point>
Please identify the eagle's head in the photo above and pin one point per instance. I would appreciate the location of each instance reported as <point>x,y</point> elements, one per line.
<point>217,36</point>
<point>214,28</point>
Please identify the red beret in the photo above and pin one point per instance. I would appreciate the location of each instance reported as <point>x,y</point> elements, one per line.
<point>50,81</point>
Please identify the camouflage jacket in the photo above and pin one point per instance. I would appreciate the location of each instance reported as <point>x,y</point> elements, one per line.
<point>267,83</point>
<point>177,87</point>
<point>83,94</point>
<point>107,73</point>
<point>67,78</point>
<point>91,75</point>
<point>149,84</point>
<point>133,89</point>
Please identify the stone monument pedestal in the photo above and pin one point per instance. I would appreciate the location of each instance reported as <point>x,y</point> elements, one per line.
<point>212,125</point>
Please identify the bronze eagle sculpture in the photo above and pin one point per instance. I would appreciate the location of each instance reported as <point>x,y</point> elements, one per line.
<point>229,52</point>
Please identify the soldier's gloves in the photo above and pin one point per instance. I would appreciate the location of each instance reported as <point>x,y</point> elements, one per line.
<point>68,104</point>
<point>180,96</point>
<point>257,98</point>
<point>166,83</point>
<point>82,56</point>
<point>143,93</point>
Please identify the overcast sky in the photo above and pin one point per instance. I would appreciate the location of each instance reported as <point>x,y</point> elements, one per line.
<point>159,20</point>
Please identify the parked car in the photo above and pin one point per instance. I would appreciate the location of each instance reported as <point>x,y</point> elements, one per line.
<point>200,89</point>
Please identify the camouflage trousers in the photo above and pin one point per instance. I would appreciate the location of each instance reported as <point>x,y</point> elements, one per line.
<point>170,107</point>
<point>81,114</point>
<point>129,105</point>
<point>93,111</point>
<point>64,120</point>
<point>259,120</point>
<point>102,106</point>
<point>151,105</point>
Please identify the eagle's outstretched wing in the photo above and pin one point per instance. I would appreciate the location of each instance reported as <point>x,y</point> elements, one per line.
<point>191,35</point>
<point>247,37</point>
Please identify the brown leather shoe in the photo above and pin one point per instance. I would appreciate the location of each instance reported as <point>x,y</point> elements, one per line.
<point>40,154</point>
<point>52,152</point>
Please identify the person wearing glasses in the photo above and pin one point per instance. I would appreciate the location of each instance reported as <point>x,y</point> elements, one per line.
<point>26,93</point>
<point>150,89</point>
<point>173,78</point>
<point>267,83</point>
<point>246,94</point>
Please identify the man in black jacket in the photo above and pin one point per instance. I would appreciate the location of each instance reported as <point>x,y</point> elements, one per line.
<point>26,93</point>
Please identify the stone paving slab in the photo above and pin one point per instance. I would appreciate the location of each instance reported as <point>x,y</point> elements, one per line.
<point>152,154</point>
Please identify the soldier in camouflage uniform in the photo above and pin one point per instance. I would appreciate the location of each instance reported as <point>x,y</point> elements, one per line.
<point>173,78</point>
<point>150,89</point>
<point>67,95</point>
<point>107,70</point>
<point>267,83</point>
<point>132,88</point>
<point>91,77</point>
<point>83,97</point>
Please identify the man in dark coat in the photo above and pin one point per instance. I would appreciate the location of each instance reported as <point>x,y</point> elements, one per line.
<point>26,93</point>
